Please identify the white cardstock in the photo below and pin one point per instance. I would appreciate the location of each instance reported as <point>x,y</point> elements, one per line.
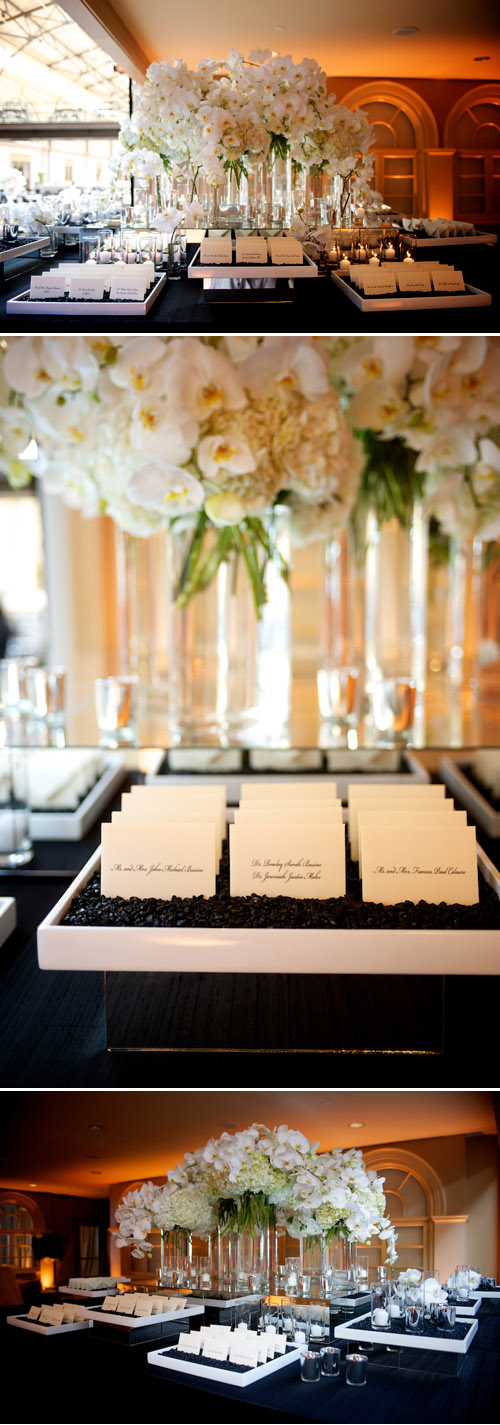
<point>158,816</point>
<point>251,249</point>
<point>189,1341</point>
<point>392,804</point>
<point>127,1305</point>
<point>33,1313</point>
<point>110,1303</point>
<point>450,281</point>
<point>406,818</point>
<point>46,1317</point>
<point>420,865</point>
<point>267,791</point>
<point>244,1349</point>
<point>182,799</point>
<point>46,286</point>
<point>216,251</point>
<point>298,812</point>
<point>158,861</point>
<point>284,251</point>
<point>216,1350</point>
<point>411,280</point>
<point>298,861</point>
<point>377,280</point>
<point>87,289</point>
<point>128,286</point>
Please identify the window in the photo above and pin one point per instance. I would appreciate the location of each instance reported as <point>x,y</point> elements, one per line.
<point>16,1230</point>
<point>68,173</point>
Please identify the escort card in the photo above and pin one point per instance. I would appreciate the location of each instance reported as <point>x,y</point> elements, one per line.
<point>189,1341</point>
<point>285,250</point>
<point>392,804</point>
<point>127,1305</point>
<point>86,288</point>
<point>161,816</point>
<point>216,1350</point>
<point>46,286</point>
<point>159,861</point>
<point>128,286</point>
<point>142,1305</point>
<point>449,281</point>
<point>110,1303</point>
<point>251,249</point>
<point>377,280</point>
<point>58,1312</point>
<point>215,251</point>
<point>244,1349</point>
<point>68,1313</point>
<point>405,818</point>
<point>279,1345</point>
<point>46,1317</point>
<point>411,280</point>
<point>34,1313</point>
<point>298,812</point>
<point>267,791</point>
<point>298,861</point>
<point>420,864</point>
<point>399,789</point>
<point>206,797</point>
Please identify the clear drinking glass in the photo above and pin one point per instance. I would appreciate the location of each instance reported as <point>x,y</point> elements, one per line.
<point>338,694</point>
<point>13,682</point>
<point>446,1313</point>
<point>116,708</point>
<point>392,702</point>
<point>47,692</point>
<point>381,1306</point>
<point>15,842</point>
<point>462,1282</point>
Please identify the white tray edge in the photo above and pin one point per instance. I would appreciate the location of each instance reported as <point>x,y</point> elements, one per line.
<point>472,297</point>
<point>487,1295</point>
<point>232,780</point>
<point>20,307</point>
<point>49,1330</point>
<point>468,1310</point>
<point>393,1338</point>
<point>73,825</point>
<point>450,769</point>
<point>449,241</point>
<point>134,1322</point>
<point>263,269</point>
<point>387,952</point>
<point>24,251</point>
<point>157,1358</point>
<point>8,917</point>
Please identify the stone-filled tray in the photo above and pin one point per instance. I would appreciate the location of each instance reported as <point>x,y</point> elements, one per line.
<point>457,1342</point>
<point>454,774</point>
<point>291,766</point>
<point>469,1307</point>
<point>22,306</point>
<point>223,1373</point>
<point>7,917</point>
<point>23,249</point>
<point>81,1294</point>
<point>488,1294</point>
<point>134,1323</point>
<point>472,297</point>
<point>54,825</point>
<point>237,948</point>
<point>48,1330</point>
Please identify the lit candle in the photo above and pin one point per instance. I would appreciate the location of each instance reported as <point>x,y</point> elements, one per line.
<point>300,1336</point>
<point>362,254</point>
<point>408,258</point>
<point>390,253</point>
<point>316,1330</point>
<point>270,1330</point>
<point>360,213</point>
<point>292,1279</point>
<point>242,1326</point>
<point>380,1316</point>
<point>205,1276</point>
<point>345,266</point>
<point>395,1309</point>
<point>131,257</point>
<point>105,257</point>
<point>372,262</point>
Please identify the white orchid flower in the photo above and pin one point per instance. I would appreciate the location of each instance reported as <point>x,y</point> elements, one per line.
<point>225,509</point>
<point>136,365</point>
<point>168,489</point>
<point>201,380</point>
<point>447,448</point>
<point>224,453</point>
<point>377,406</point>
<point>155,431</point>
<point>33,363</point>
<point>294,364</point>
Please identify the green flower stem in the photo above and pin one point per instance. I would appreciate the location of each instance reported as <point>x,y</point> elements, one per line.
<point>257,526</point>
<point>256,574</point>
<point>253,1211</point>
<point>211,563</point>
<point>187,575</point>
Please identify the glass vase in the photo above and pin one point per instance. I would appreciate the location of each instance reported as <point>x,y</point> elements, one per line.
<point>274,635</point>
<point>337,677</point>
<point>395,564</point>
<point>454,602</point>
<point>342,200</point>
<point>486,619</point>
<point>244,1260</point>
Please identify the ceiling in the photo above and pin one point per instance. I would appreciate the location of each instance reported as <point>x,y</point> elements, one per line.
<point>48,1142</point>
<point>347,39</point>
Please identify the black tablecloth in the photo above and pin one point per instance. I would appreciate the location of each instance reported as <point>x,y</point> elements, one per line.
<point>318,306</point>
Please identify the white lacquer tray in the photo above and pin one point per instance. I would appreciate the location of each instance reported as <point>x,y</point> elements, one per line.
<point>228,951</point>
<point>23,249</point>
<point>113,1318</point>
<point>410,772</point>
<point>73,825</point>
<point>48,1330</point>
<point>197,269</point>
<point>365,1332</point>
<point>82,1295</point>
<point>470,1309</point>
<point>450,769</point>
<point>22,306</point>
<point>485,238</point>
<point>472,297</point>
<point>7,917</point>
<point>197,1369</point>
<point>487,1295</point>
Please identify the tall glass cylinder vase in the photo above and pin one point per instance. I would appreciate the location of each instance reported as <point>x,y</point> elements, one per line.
<point>454,608</point>
<point>142,605</point>
<point>342,201</point>
<point>274,635</point>
<point>395,558</point>
<point>244,1260</point>
<point>486,619</point>
<point>337,691</point>
<point>312,1259</point>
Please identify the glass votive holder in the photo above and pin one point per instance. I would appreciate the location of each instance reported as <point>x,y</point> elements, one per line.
<point>254,1281</point>
<point>356,1368</point>
<point>445,1317</point>
<point>310,1366</point>
<point>338,694</point>
<point>414,1317</point>
<point>381,1306</point>
<point>462,1283</point>
<point>392,703</point>
<point>116,708</point>
<point>381,1273</point>
<point>16,848</point>
<point>304,1283</point>
<point>330,1361</point>
<point>47,692</point>
<point>13,682</point>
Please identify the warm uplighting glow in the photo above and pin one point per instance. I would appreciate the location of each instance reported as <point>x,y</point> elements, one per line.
<point>47,1273</point>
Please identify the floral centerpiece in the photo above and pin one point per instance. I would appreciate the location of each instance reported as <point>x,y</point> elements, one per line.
<point>228,116</point>
<point>206,435</point>
<point>259,1178</point>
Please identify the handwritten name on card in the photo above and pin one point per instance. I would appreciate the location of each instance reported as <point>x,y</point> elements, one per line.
<point>87,289</point>
<point>128,287</point>
<point>450,281</point>
<point>47,286</point>
<point>158,861</point>
<point>420,865</point>
<point>406,818</point>
<point>189,1341</point>
<point>298,861</point>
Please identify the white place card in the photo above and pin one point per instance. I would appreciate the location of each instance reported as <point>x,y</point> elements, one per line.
<point>377,281</point>
<point>58,1312</point>
<point>279,1345</point>
<point>412,280</point>
<point>296,811</point>
<point>34,1313</point>
<point>268,791</point>
<point>158,861</point>
<point>135,816</point>
<point>197,797</point>
<point>127,1305</point>
<point>450,281</point>
<point>298,861</point>
<point>143,1307</point>
<point>406,818</point>
<point>216,1350</point>
<point>285,251</point>
<point>110,1303</point>
<point>47,1318</point>
<point>389,803</point>
<point>86,288</point>
<point>244,1349</point>
<point>128,286</point>
<point>190,1342</point>
<point>251,250</point>
<point>420,864</point>
<point>380,789</point>
<point>215,251</point>
<point>46,286</point>
<point>68,1313</point>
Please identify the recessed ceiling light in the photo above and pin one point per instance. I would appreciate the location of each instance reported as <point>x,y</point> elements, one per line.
<point>407,30</point>
<point>478,58</point>
<point>96,1127</point>
<point>95,1173</point>
<point>279,27</point>
<point>228,1127</point>
<point>32,1184</point>
<point>356,1125</point>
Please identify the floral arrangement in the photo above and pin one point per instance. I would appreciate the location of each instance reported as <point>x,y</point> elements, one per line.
<point>228,116</point>
<point>204,434</point>
<point>256,1178</point>
<point>428,410</point>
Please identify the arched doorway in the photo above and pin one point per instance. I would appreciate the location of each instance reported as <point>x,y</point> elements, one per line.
<point>473,130</point>
<point>414,1197</point>
<point>405,128</point>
